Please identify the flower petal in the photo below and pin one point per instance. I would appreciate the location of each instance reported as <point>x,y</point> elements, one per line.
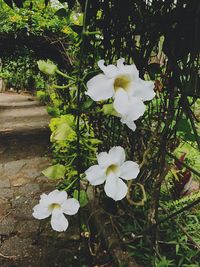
<point>121,101</point>
<point>129,170</point>
<point>120,63</point>
<point>57,196</point>
<point>135,109</point>
<point>41,212</point>
<point>130,124</point>
<point>58,221</point>
<point>104,160</point>
<point>117,154</point>
<point>100,88</point>
<point>144,90</point>
<point>44,200</point>
<point>130,70</point>
<point>70,206</point>
<point>115,188</point>
<point>110,71</point>
<point>95,175</point>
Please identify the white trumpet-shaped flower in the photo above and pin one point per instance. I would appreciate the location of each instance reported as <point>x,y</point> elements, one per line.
<point>111,169</point>
<point>56,204</point>
<point>123,84</point>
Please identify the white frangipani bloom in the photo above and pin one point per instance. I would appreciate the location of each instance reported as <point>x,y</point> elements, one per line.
<point>56,204</point>
<point>122,82</point>
<point>111,169</point>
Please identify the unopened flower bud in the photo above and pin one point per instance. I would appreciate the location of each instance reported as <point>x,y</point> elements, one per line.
<point>47,67</point>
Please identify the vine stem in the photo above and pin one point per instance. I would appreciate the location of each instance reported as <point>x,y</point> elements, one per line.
<point>79,87</point>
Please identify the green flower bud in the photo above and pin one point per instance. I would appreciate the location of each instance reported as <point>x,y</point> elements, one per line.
<point>47,67</point>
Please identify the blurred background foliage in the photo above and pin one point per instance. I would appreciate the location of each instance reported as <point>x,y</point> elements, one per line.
<point>163,39</point>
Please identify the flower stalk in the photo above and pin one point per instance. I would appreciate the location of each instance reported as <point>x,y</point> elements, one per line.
<point>78,103</point>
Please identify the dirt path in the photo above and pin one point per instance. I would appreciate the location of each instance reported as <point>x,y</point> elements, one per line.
<point>24,137</point>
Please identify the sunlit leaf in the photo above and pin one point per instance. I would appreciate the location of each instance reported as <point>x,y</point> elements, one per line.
<point>55,171</point>
<point>62,132</point>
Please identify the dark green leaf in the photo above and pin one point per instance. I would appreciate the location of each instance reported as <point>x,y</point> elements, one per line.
<point>183,126</point>
<point>190,137</point>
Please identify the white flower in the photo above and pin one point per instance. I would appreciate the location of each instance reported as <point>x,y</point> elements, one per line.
<point>55,204</point>
<point>122,82</point>
<point>110,169</point>
<point>129,123</point>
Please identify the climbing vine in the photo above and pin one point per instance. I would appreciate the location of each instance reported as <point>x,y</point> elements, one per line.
<point>122,112</point>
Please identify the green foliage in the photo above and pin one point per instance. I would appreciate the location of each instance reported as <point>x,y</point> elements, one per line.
<point>36,21</point>
<point>55,171</point>
<point>184,130</point>
<point>61,129</point>
<point>42,96</point>
<point>21,72</point>
<point>163,262</point>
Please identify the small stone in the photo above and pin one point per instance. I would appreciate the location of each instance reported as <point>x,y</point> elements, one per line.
<point>19,201</point>
<point>13,167</point>
<point>26,228</point>
<point>19,182</point>
<point>4,207</point>
<point>7,225</point>
<point>5,183</point>
<point>1,170</point>
<point>23,207</point>
<point>6,193</point>
<point>28,189</point>
<point>20,248</point>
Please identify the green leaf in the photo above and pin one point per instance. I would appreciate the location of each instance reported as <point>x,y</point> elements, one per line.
<point>87,104</point>
<point>55,171</point>
<point>62,132</point>
<point>83,197</point>
<point>190,137</point>
<point>183,126</point>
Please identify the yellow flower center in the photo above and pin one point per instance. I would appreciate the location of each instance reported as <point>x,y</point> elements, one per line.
<point>122,82</point>
<point>54,206</point>
<point>112,169</point>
